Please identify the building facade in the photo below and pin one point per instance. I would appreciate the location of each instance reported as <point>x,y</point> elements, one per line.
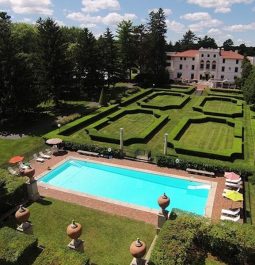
<point>204,64</point>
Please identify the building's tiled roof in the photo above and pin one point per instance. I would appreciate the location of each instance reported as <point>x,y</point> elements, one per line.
<point>231,55</point>
<point>188,53</point>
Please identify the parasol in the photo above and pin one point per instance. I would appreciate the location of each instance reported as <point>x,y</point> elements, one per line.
<point>231,176</point>
<point>16,159</point>
<point>54,141</point>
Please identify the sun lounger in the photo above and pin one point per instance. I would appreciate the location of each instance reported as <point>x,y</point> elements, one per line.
<point>48,151</point>
<point>233,185</point>
<point>38,159</point>
<point>42,155</point>
<point>230,218</point>
<point>13,172</point>
<point>234,181</point>
<point>226,190</point>
<point>231,212</point>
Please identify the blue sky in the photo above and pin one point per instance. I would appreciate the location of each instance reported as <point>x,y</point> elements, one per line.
<point>221,19</point>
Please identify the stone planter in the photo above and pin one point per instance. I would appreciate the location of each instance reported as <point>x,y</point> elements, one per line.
<point>74,231</point>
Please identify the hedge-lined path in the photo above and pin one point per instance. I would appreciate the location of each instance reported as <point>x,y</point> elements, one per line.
<point>219,201</point>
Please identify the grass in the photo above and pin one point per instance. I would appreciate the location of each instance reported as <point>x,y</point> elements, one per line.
<point>162,100</point>
<point>209,135</point>
<point>107,237</point>
<point>220,106</point>
<point>131,122</point>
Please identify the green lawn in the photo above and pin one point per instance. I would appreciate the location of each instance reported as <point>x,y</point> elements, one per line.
<point>209,135</point>
<point>162,100</point>
<point>107,237</point>
<point>220,106</point>
<point>133,123</point>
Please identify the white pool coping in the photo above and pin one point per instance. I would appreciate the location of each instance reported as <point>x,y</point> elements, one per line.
<point>209,204</point>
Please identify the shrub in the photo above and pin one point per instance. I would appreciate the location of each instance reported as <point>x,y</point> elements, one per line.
<point>187,238</point>
<point>60,256</point>
<point>66,119</point>
<point>135,97</point>
<point>15,247</point>
<point>13,191</point>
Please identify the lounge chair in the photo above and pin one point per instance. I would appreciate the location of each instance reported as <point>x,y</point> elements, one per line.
<point>42,155</point>
<point>38,159</point>
<point>230,218</point>
<point>13,172</point>
<point>233,185</point>
<point>234,181</point>
<point>48,151</point>
<point>226,190</point>
<point>231,212</point>
<point>23,166</point>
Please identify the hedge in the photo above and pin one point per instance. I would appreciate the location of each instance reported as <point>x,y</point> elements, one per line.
<point>145,103</point>
<point>60,256</point>
<point>201,108</point>
<point>178,89</point>
<point>226,90</point>
<point>13,191</point>
<point>219,94</point>
<point>135,97</point>
<point>187,239</point>
<point>135,138</point>
<point>15,247</point>
<point>228,154</point>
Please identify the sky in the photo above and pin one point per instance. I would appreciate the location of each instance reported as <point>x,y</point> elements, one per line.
<point>220,19</point>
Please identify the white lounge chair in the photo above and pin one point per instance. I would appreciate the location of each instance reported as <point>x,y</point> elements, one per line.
<point>231,212</point>
<point>42,155</point>
<point>233,185</point>
<point>230,218</point>
<point>38,159</point>
<point>226,190</point>
<point>13,172</point>
<point>234,181</point>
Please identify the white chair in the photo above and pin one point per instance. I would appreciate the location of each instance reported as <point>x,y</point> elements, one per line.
<point>13,172</point>
<point>42,155</point>
<point>230,218</point>
<point>233,185</point>
<point>230,212</point>
<point>233,181</point>
<point>38,159</point>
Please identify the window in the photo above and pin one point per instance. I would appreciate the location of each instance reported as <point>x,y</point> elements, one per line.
<point>222,77</point>
<point>184,58</point>
<point>179,75</point>
<point>180,67</point>
<point>193,67</point>
<point>168,57</point>
<point>192,76</point>
<point>235,77</point>
<point>223,69</point>
<point>236,69</point>
<point>223,61</point>
<point>212,76</point>
<point>213,65</point>
<point>207,64</point>
<point>237,61</point>
<point>181,58</point>
<point>168,64</point>
<point>202,55</point>
<point>208,55</point>
<point>201,77</point>
<point>202,64</point>
<point>193,58</point>
<point>214,56</point>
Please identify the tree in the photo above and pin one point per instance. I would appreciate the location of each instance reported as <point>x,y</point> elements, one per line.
<point>52,50</point>
<point>228,45</point>
<point>249,87</point>
<point>157,46</point>
<point>188,40</point>
<point>207,42</point>
<point>109,59</point>
<point>246,70</point>
<point>126,46</point>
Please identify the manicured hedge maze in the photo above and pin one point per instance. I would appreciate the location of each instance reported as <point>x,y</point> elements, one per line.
<point>164,100</point>
<point>220,106</point>
<point>208,136</point>
<point>232,93</point>
<point>139,124</point>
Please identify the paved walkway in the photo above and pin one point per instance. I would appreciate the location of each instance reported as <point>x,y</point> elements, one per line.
<point>149,217</point>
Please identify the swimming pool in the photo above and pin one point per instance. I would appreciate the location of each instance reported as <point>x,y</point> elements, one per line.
<point>125,185</point>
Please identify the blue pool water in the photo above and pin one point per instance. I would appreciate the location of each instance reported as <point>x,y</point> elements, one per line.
<point>129,186</point>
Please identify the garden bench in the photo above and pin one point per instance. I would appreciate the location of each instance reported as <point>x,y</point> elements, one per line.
<point>202,172</point>
<point>88,153</point>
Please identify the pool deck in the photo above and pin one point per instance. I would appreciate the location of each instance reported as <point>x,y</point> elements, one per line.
<point>216,202</point>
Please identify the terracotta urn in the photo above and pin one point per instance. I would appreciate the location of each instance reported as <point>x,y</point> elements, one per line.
<point>74,230</point>
<point>138,249</point>
<point>22,215</point>
<point>163,201</point>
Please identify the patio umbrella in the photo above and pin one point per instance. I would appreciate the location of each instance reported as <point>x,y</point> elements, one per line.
<point>234,195</point>
<point>231,176</point>
<point>54,141</point>
<point>16,159</point>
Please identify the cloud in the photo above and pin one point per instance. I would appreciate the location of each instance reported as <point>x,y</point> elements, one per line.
<point>167,11</point>
<point>110,19</point>
<point>175,26</point>
<point>202,21</point>
<point>240,27</point>
<point>220,6</point>
<point>97,5</point>
<point>215,32</point>
<point>29,6</point>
